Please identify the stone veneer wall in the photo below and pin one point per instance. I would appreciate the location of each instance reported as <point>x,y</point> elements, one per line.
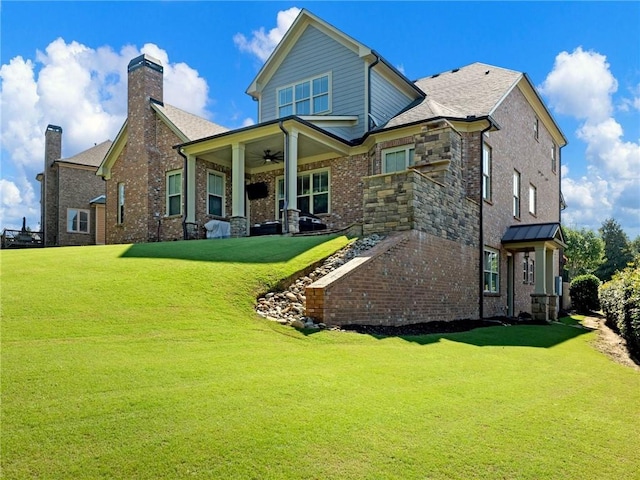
<point>431,197</point>
<point>429,272</point>
<point>410,277</point>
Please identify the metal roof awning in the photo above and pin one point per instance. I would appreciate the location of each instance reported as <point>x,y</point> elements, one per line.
<point>523,238</point>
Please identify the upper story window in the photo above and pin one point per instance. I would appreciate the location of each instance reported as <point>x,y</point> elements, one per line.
<point>309,97</point>
<point>215,194</point>
<point>120,202</point>
<point>554,158</point>
<point>174,192</point>
<point>77,220</point>
<point>533,199</point>
<point>516,194</point>
<point>397,159</point>
<point>536,129</point>
<point>486,172</point>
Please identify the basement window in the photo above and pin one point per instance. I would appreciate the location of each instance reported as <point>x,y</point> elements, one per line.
<point>491,271</point>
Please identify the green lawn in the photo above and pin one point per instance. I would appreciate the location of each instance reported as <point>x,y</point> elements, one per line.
<point>148,362</point>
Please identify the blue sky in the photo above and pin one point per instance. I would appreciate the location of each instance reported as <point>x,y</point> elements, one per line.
<point>64,63</point>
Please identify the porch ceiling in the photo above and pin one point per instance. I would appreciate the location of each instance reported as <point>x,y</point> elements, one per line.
<point>313,144</point>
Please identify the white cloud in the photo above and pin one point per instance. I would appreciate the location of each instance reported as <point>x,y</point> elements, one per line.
<point>81,89</point>
<point>581,85</point>
<point>261,44</point>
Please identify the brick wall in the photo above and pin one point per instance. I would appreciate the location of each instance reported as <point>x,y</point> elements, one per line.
<point>410,277</point>
<point>515,147</point>
<point>77,186</point>
<point>49,206</point>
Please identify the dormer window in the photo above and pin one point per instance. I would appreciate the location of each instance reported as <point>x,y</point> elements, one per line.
<point>309,97</point>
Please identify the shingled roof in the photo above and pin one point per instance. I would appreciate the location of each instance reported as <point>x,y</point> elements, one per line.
<point>191,126</point>
<point>474,90</point>
<point>92,157</point>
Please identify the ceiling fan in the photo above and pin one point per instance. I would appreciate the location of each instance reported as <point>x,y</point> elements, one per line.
<point>269,157</point>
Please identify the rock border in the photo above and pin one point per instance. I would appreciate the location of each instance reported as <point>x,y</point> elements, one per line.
<point>288,307</point>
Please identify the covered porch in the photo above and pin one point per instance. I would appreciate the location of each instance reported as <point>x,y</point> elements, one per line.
<point>262,160</point>
<point>539,241</point>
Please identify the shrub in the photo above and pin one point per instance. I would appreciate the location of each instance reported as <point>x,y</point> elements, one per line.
<point>584,293</point>
<point>621,304</point>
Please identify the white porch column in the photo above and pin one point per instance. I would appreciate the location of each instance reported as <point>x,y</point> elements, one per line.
<point>549,280</point>
<point>191,189</point>
<point>237,180</point>
<point>541,270</point>
<point>292,172</point>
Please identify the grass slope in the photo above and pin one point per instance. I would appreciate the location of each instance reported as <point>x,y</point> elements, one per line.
<point>148,361</point>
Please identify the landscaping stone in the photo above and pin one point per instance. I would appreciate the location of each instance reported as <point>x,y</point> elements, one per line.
<point>288,308</point>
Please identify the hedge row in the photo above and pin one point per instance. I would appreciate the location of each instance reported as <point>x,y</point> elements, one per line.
<point>620,300</point>
<point>584,293</point>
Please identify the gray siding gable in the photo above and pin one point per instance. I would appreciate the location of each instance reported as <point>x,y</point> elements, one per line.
<point>386,100</point>
<point>316,53</point>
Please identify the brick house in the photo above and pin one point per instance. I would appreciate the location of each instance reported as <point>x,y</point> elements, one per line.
<point>71,195</point>
<point>461,169</point>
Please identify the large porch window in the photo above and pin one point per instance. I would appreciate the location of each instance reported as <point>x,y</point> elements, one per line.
<point>313,192</point>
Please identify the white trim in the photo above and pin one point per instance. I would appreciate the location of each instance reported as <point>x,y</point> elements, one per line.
<point>311,95</point>
<point>403,148</point>
<point>487,288</point>
<point>168,174</point>
<point>280,195</point>
<point>224,191</point>
<point>533,199</point>
<point>79,212</point>
<point>121,202</point>
<point>488,191</point>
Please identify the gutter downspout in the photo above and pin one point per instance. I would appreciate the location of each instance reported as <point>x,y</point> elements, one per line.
<point>481,263</point>
<point>285,217</point>
<point>184,195</point>
<point>369,90</point>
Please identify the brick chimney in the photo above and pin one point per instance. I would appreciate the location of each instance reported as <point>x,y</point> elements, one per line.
<point>49,184</point>
<point>141,170</point>
<point>144,84</point>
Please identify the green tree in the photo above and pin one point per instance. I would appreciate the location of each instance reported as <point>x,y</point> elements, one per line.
<point>617,249</point>
<point>635,246</point>
<point>584,252</point>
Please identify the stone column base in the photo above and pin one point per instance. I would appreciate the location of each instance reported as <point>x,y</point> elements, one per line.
<point>293,218</point>
<point>238,227</point>
<point>540,307</point>
<point>553,307</point>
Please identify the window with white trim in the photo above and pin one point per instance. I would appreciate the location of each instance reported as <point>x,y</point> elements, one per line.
<point>486,172</point>
<point>533,199</point>
<point>120,203</point>
<point>554,158</point>
<point>77,220</point>
<point>215,194</point>
<point>174,192</point>
<point>536,129</point>
<point>309,97</point>
<point>313,192</point>
<point>516,194</point>
<point>397,159</point>
<point>491,271</point>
